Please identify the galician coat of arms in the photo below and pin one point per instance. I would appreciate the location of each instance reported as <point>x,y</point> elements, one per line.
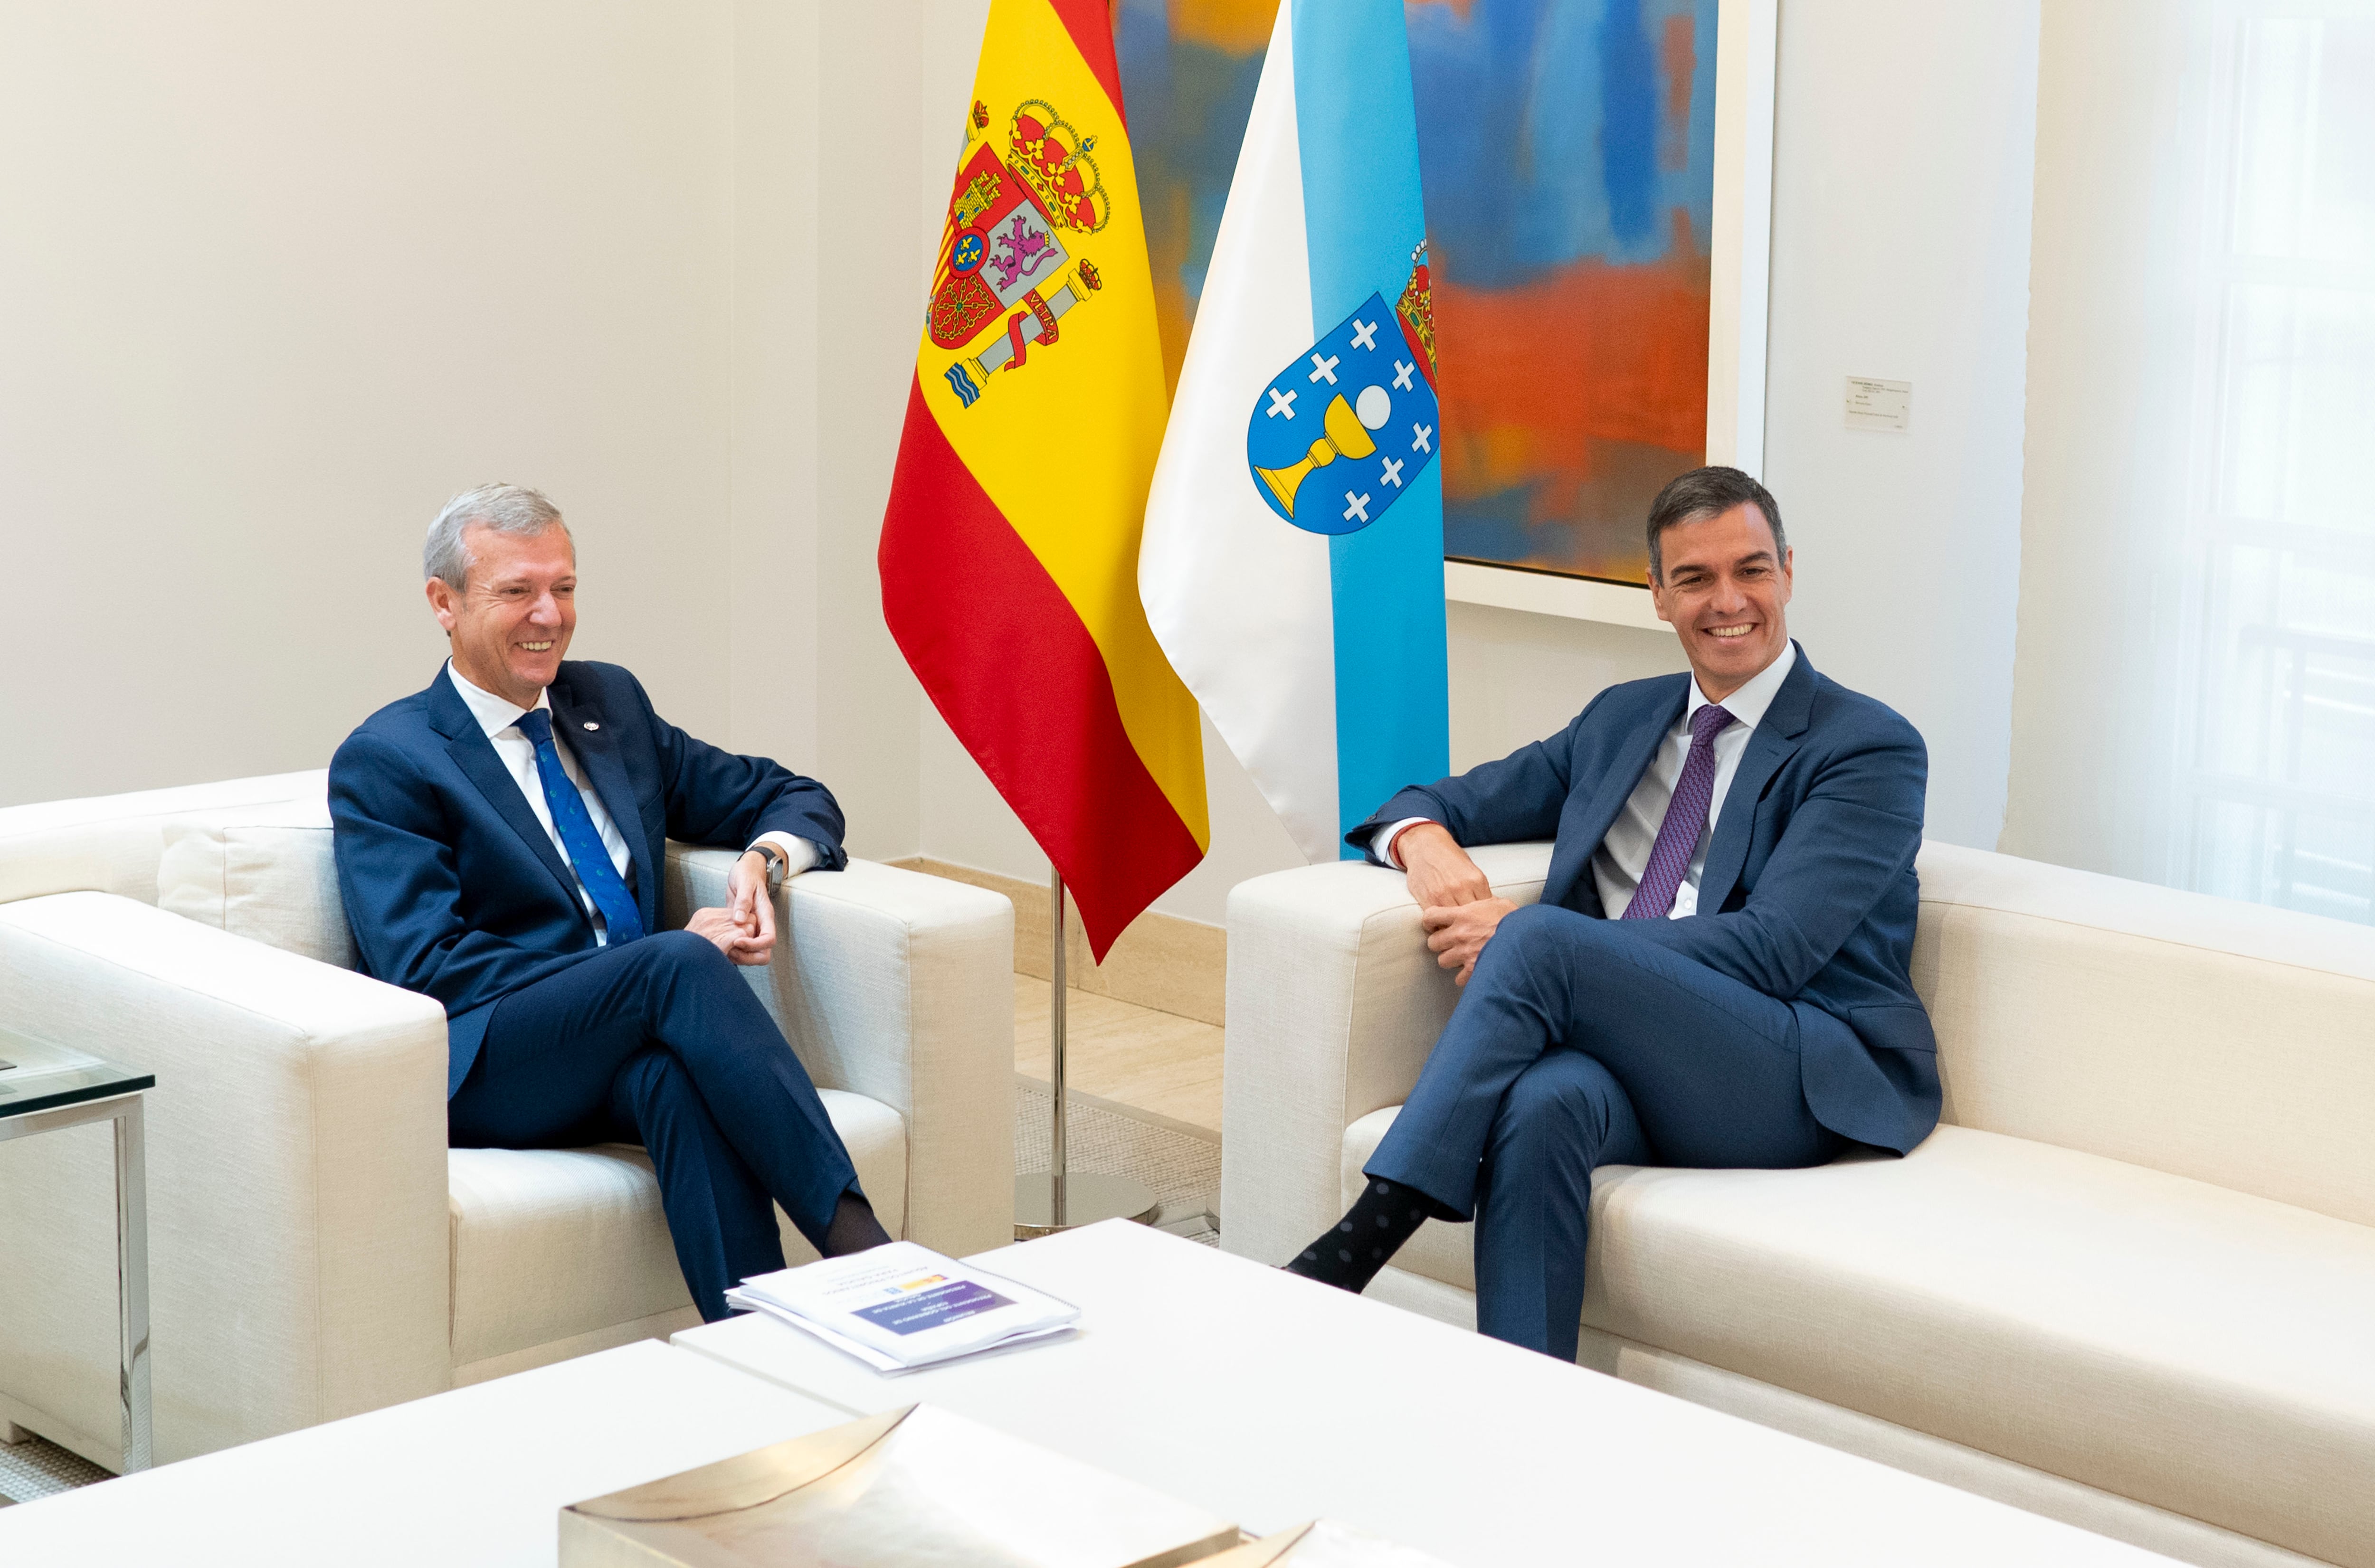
<point>1337,437</point>
<point>1007,254</point>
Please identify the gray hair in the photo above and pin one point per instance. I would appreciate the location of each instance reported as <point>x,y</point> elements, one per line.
<point>507,509</point>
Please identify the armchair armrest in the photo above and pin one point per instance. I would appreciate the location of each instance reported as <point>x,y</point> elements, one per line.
<point>1334,1003</point>
<point>898,987</point>
<point>296,1143</point>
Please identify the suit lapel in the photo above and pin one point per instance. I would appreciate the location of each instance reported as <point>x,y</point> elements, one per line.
<point>475,755</point>
<point>1769,745</point>
<point>1625,769</point>
<point>598,753</point>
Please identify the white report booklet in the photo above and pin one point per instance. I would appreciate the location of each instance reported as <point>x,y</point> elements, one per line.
<point>901,1306</point>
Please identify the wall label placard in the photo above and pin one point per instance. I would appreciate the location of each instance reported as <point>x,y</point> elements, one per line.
<point>1875,405</point>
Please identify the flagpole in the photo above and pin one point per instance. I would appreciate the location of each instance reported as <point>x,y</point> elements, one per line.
<point>1059,1198</point>
<point>1055,1011</point>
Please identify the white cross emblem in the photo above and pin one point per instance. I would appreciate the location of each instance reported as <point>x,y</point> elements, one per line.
<point>1402,376</point>
<point>1364,333</point>
<point>1393,474</point>
<point>1323,368</point>
<point>1421,435</point>
<point>1281,402</point>
<point>1355,506</point>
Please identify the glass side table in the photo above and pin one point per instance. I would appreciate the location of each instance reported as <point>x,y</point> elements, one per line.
<point>46,1085</point>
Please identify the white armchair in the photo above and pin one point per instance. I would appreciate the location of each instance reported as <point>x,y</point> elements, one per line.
<point>315,1249</point>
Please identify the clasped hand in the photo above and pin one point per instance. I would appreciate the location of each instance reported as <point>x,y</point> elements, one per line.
<point>1455,899</point>
<point>745,929</point>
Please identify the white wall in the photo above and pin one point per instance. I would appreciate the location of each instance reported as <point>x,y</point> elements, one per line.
<point>834,228</point>
<point>276,284</point>
<point>1903,154</point>
<point>276,278</point>
<point>1903,148</point>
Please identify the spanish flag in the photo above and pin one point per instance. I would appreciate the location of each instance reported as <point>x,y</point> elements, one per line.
<point>1010,547</point>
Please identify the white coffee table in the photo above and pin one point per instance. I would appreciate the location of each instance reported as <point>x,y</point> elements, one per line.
<point>475,1476</point>
<point>1269,1399</point>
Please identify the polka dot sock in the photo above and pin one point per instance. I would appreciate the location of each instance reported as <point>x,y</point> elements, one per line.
<point>1350,1254</point>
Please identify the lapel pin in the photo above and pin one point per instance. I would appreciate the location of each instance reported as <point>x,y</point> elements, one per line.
<point>591,724</point>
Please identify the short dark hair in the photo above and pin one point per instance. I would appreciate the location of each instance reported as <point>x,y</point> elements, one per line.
<point>1710,492</point>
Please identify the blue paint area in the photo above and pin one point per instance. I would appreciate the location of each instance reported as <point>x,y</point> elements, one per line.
<point>1542,134</point>
<point>1492,527</point>
<point>1189,105</point>
<point>1364,217</point>
<point>1628,122</point>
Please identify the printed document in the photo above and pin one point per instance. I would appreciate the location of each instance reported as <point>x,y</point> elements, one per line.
<point>901,1306</point>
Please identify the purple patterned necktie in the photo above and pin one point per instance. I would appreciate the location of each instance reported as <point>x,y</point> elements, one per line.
<point>1686,815</point>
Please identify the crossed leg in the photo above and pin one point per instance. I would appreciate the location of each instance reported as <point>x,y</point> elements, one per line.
<point>663,1040</point>
<point>1576,1044</point>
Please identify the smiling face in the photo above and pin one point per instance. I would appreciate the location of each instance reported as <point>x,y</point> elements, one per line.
<point>510,621</point>
<point>1723,591</point>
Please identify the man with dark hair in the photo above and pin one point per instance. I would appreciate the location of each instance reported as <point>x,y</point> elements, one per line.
<point>1717,972</point>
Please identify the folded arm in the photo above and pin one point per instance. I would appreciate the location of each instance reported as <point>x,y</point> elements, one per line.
<point>719,798</point>
<point>1421,830</point>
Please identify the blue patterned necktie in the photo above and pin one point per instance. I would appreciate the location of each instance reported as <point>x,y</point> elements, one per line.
<point>1685,820</point>
<point>594,868</point>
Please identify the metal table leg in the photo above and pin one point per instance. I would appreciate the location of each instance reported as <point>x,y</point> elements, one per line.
<point>132,1281</point>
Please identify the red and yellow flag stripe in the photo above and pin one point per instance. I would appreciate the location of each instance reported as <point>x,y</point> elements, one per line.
<point>1010,547</point>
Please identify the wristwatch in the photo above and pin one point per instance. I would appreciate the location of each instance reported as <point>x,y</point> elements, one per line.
<point>777,862</point>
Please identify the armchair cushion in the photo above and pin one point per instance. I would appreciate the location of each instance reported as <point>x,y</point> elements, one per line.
<point>549,1244</point>
<point>267,871</point>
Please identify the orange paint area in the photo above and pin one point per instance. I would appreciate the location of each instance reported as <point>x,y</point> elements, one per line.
<point>1678,57</point>
<point>1233,27</point>
<point>1590,357</point>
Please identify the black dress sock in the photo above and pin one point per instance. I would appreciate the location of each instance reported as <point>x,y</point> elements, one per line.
<point>1381,1220</point>
<point>853,1227</point>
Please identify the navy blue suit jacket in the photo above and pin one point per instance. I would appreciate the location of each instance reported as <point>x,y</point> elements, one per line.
<point>1808,894</point>
<point>453,887</point>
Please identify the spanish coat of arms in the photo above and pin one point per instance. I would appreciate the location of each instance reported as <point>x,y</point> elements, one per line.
<point>1005,260</point>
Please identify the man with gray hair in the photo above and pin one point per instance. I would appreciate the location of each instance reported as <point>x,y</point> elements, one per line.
<point>500,841</point>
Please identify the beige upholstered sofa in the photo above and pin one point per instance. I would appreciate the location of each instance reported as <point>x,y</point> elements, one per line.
<point>2129,1283</point>
<point>316,1250</point>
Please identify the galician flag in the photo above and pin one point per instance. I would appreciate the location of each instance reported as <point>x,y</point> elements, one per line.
<point>1292,567</point>
<point>1010,547</point>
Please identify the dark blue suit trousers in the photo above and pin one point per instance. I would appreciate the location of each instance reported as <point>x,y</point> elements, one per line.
<point>1576,1046</point>
<point>1770,1030</point>
<point>453,888</point>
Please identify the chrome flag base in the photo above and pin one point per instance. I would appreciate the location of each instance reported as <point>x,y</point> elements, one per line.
<point>1089,1197</point>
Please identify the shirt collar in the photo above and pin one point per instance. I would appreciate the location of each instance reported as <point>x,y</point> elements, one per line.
<point>496,714</point>
<point>1746,705</point>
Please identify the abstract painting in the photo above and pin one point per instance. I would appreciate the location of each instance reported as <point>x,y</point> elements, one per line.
<point>1567,147</point>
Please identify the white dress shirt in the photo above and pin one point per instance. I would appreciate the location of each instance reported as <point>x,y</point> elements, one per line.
<point>499,717</point>
<point>1623,854</point>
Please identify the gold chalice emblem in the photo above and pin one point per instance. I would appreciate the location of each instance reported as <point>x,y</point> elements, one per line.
<point>1348,436</point>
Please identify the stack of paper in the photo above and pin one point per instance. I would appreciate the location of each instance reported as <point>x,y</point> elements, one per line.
<point>903,1306</point>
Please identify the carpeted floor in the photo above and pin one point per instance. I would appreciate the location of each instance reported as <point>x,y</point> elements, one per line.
<point>36,1467</point>
<point>1182,1163</point>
